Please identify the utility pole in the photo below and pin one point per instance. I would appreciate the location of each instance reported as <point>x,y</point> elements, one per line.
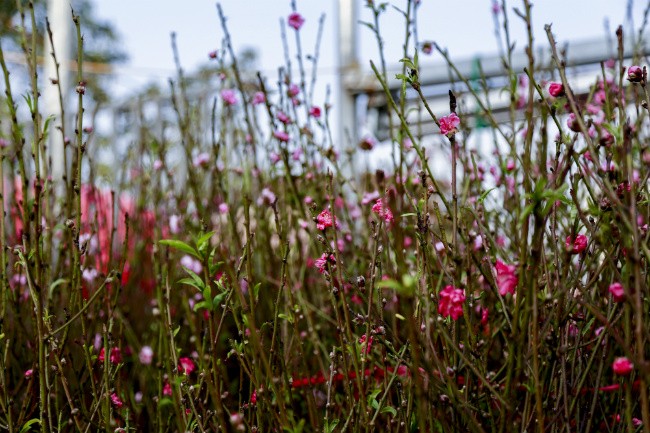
<point>348,66</point>
<point>59,15</point>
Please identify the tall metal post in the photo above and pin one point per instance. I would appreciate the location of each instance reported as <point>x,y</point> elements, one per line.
<point>348,66</point>
<point>59,15</point>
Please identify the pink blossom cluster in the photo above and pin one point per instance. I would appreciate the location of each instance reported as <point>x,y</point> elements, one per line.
<point>450,302</point>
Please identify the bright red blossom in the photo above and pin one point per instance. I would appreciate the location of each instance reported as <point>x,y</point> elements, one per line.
<point>450,302</point>
<point>115,358</point>
<point>449,123</point>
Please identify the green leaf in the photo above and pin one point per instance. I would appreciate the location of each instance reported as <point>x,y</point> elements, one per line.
<point>330,426</point>
<point>483,196</point>
<point>191,282</point>
<point>202,304</point>
<point>400,317</point>
<point>181,246</point>
<point>218,299</point>
<point>286,317</point>
<point>57,283</point>
<point>176,330</point>
<point>388,409</point>
<point>408,62</point>
<point>26,427</point>
<point>202,241</point>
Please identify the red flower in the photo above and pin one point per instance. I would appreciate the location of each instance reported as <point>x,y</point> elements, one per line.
<point>617,291</point>
<point>506,278</point>
<point>115,358</point>
<point>450,302</point>
<point>576,245</point>
<point>622,366</point>
<point>296,20</point>
<point>556,90</point>
<point>315,112</point>
<point>449,123</point>
<point>186,365</point>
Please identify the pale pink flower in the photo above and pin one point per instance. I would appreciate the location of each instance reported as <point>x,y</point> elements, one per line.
<point>293,90</point>
<point>146,355</point>
<point>281,136</point>
<point>229,97</point>
<point>259,98</point>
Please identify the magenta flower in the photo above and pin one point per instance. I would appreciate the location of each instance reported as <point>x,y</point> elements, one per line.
<point>449,123</point>
<point>383,211</point>
<point>212,55</point>
<point>259,98</point>
<point>293,90</point>
<point>115,357</point>
<point>506,278</point>
<point>281,136</point>
<point>324,220</point>
<point>635,74</point>
<point>186,365</point>
<point>296,20</point>
<point>617,291</point>
<point>622,366</point>
<point>117,402</point>
<point>315,112</point>
<point>282,117</point>
<point>167,389</point>
<point>321,263</point>
<point>556,90</point>
<point>29,373</point>
<point>450,302</point>
<point>229,97</point>
<point>576,245</point>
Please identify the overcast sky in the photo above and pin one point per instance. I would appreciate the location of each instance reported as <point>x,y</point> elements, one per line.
<point>465,27</point>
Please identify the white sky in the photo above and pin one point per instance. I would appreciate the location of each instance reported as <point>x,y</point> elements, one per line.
<point>465,27</point>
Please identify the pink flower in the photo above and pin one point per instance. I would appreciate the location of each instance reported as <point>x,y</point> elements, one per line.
<point>506,278</point>
<point>622,366</point>
<point>321,263</point>
<point>577,245</point>
<point>29,373</point>
<point>556,90</point>
<point>293,90</point>
<point>115,399</point>
<point>146,355</point>
<point>635,74</point>
<point>296,20</point>
<point>367,143</point>
<point>259,98</point>
<point>450,302</point>
<point>266,197</point>
<point>617,291</point>
<point>186,365</point>
<point>282,117</point>
<point>449,123</point>
<point>324,220</point>
<point>167,389</point>
<point>229,97</point>
<point>212,55</point>
<point>201,160</point>
<point>366,343</point>
<point>383,211</point>
<point>315,112</point>
<point>281,136</point>
<point>572,123</point>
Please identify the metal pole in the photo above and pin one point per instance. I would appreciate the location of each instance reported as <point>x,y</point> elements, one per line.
<point>59,15</point>
<point>349,69</point>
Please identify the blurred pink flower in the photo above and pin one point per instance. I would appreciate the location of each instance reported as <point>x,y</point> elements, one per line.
<point>117,402</point>
<point>259,98</point>
<point>146,355</point>
<point>449,123</point>
<point>576,245</point>
<point>506,278</point>
<point>617,291</point>
<point>315,112</point>
<point>450,302</point>
<point>229,97</point>
<point>281,136</point>
<point>635,74</point>
<point>186,365</point>
<point>296,20</point>
<point>324,220</point>
<point>622,366</point>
